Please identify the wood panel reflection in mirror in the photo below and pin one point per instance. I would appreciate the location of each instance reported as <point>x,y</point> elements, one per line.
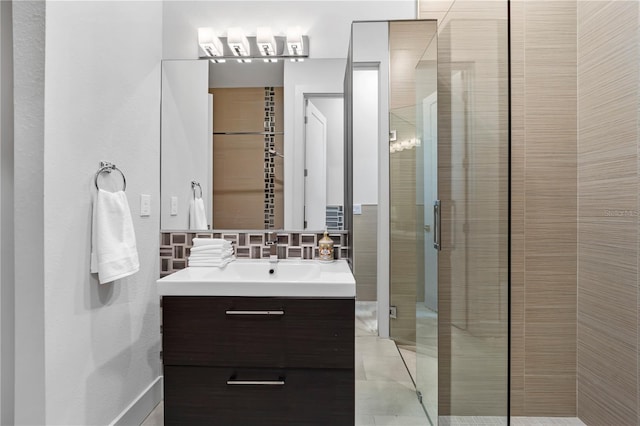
<point>247,177</point>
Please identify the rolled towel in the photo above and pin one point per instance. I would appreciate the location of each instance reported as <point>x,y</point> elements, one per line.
<point>216,242</point>
<point>113,241</point>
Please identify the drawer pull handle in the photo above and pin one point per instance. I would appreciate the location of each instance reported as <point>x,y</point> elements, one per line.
<point>255,312</point>
<point>256,382</point>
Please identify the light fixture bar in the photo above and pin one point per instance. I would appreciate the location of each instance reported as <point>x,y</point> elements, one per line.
<point>281,50</point>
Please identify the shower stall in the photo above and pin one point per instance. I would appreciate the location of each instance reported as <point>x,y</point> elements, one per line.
<point>443,224</point>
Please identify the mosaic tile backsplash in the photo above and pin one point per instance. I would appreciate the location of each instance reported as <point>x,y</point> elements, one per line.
<point>175,247</point>
<point>269,159</point>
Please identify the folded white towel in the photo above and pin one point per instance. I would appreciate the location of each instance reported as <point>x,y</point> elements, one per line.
<point>113,240</point>
<point>197,214</point>
<point>211,249</point>
<point>199,242</point>
<point>221,255</point>
<point>213,263</point>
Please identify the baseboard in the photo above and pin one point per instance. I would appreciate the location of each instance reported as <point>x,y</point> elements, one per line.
<point>140,408</point>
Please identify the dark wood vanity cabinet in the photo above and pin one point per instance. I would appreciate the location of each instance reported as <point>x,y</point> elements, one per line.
<point>258,361</point>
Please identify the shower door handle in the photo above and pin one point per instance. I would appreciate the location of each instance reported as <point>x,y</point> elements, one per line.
<point>436,225</point>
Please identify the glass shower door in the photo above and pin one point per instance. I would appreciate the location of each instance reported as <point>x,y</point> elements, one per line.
<point>449,185</point>
<point>427,301</point>
<point>473,188</point>
<point>413,182</point>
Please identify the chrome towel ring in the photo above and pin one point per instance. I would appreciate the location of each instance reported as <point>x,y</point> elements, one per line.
<point>107,167</point>
<point>193,187</point>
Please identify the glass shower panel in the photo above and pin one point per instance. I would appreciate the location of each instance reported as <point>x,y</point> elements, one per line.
<point>426,253</point>
<point>473,187</point>
<point>404,264</point>
<point>413,190</point>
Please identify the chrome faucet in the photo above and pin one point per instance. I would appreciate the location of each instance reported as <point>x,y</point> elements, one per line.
<point>272,242</point>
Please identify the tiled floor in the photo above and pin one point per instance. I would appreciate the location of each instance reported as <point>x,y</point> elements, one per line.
<point>546,421</point>
<point>515,421</point>
<point>156,418</point>
<point>385,394</point>
<point>409,356</point>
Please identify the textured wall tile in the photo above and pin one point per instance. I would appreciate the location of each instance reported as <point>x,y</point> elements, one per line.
<point>608,80</point>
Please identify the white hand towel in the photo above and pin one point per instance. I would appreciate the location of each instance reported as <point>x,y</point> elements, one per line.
<point>199,242</point>
<point>113,240</point>
<point>197,214</point>
<point>192,213</point>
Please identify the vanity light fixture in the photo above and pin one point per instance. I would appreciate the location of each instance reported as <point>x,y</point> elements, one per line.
<point>210,44</point>
<point>266,43</point>
<point>294,41</point>
<point>238,43</point>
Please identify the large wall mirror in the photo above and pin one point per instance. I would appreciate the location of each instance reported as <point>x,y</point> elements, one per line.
<point>251,146</point>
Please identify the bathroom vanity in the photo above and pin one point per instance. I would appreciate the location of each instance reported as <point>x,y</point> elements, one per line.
<point>259,344</point>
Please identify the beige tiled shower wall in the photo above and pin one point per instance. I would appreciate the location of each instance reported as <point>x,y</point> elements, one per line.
<point>239,159</point>
<point>365,261</point>
<point>544,208</point>
<point>608,106</point>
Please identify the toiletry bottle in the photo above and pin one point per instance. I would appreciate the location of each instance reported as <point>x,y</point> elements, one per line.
<point>325,248</point>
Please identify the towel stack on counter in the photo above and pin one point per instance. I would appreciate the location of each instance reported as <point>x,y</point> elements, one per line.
<point>211,252</point>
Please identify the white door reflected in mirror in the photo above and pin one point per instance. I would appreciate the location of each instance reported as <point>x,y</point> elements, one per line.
<point>315,181</point>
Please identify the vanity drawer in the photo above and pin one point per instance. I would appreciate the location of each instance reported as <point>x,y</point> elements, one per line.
<point>258,332</point>
<point>202,396</point>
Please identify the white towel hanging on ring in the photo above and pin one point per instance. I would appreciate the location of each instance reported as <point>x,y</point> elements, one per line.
<point>113,241</point>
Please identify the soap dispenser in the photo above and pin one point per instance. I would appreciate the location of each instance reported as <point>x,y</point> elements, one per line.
<point>325,248</point>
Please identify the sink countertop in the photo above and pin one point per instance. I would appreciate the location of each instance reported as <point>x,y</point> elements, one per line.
<point>252,278</point>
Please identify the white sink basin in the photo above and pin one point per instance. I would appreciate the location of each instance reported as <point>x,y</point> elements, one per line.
<point>253,277</point>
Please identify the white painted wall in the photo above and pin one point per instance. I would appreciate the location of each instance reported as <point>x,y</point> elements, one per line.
<point>102,102</point>
<point>300,79</point>
<point>365,136</point>
<point>370,44</point>
<point>326,22</point>
<point>6,217</point>
<point>333,110</point>
<point>29,185</point>
<point>186,139</point>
